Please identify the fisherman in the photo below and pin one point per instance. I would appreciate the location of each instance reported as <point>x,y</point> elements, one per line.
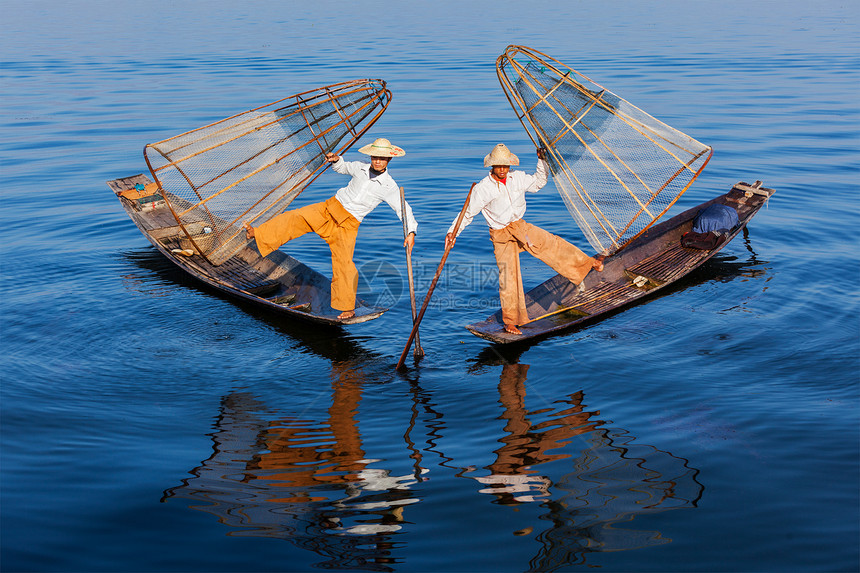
<point>336,220</point>
<point>500,197</point>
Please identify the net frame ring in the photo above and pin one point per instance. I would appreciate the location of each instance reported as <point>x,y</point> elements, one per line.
<point>335,116</point>
<point>684,156</point>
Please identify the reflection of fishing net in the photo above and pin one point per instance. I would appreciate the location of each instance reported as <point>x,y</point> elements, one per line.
<point>249,167</point>
<point>617,168</point>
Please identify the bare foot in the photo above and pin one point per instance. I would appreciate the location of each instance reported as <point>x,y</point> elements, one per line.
<point>512,329</point>
<point>249,230</point>
<point>598,263</point>
<point>346,314</point>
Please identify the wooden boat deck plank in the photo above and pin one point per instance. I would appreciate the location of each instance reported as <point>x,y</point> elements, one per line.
<point>667,265</point>
<point>608,295</point>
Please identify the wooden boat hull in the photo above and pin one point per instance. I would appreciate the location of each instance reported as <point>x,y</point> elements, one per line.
<point>653,261</point>
<point>277,281</point>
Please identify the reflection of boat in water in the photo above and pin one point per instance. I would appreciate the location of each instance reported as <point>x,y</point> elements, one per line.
<point>329,342</point>
<point>312,478</point>
<point>606,477</point>
<point>248,168</point>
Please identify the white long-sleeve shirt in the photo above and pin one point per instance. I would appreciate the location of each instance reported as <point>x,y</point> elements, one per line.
<point>364,193</point>
<point>503,203</point>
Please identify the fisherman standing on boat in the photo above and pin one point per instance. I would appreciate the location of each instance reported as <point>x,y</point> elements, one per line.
<point>500,197</point>
<point>336,220</point>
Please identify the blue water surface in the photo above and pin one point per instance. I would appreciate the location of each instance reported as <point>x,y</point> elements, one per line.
<point>151,424</point>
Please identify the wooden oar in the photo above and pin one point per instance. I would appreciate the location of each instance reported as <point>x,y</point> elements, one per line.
<point>435,280</point>
<point>419,352</point>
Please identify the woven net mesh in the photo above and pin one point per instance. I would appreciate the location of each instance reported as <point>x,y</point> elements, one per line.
<point>251,166</point>
<point>617,168</point>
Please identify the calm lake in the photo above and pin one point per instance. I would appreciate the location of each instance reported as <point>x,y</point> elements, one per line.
<point>151,424</point>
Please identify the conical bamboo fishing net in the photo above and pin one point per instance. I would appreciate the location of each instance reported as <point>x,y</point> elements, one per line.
<point>250,166</point>
<point>617,168</point>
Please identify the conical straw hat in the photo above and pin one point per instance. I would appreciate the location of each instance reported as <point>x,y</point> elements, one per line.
<point>501,155</point>
<point>382,148</point>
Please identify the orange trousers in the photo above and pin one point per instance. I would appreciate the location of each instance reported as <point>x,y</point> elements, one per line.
<point>336,226</point>
<point>564,258</point>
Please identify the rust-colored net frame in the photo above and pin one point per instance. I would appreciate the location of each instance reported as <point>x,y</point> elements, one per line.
<point>621,169</point>
<point>251,166</point>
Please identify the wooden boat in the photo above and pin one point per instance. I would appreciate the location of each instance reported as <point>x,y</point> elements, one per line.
<point>648,264</point>
<point>619,170</point>
<point>277,281</point>
<point>206,182</point>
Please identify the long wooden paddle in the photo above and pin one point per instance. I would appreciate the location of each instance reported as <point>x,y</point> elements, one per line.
<point>419,352</point>
<point>435,280</point>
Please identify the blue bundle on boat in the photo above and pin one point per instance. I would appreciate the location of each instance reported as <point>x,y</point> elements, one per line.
<point>711,227</point>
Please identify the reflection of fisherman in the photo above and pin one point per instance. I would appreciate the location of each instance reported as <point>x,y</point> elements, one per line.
<point>302,478</point>
<point>336,220</point>
<point>512,477</point>
<point>500,197</point>
<point>379,498</point>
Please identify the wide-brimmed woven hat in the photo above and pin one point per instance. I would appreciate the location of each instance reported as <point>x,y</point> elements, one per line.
<point>382,148</point>
<point>501,155</point>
